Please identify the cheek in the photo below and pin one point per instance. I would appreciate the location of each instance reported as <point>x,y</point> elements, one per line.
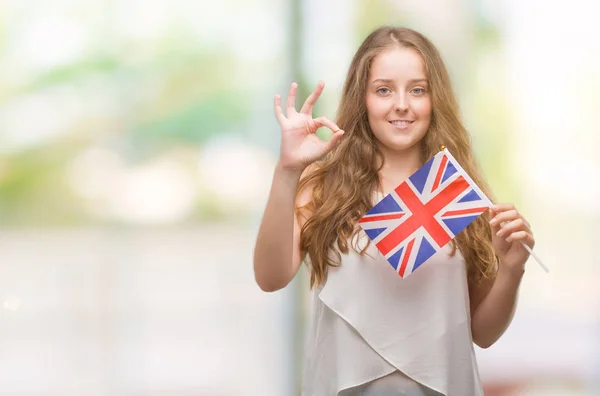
<point>424,109</point>
<point>376,108</point>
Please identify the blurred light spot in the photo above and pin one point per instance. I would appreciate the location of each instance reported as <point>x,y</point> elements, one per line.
<point>92,173</point>
<point>12,303</point>
<point>152,18</point>
<point>237,172</point>
<point>33,119</point>
<point>52,40</point>
<point>161,192</point>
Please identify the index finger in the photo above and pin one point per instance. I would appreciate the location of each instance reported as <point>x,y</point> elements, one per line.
<point>506,207</point>
<point>326,122</point>
<point>503,207</point>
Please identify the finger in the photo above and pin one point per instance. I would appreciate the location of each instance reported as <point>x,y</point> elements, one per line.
<point>526,225</point>
<point>290,103</point>
<point>334,140</point>
<point>307,108</point>
<point>522,236</point>
<point>512,226</point>
<point>503,217</point>
<point>499,221</point>
<point>278,112</point>
<point>495,225</point>
<point>326,122</point>
<point>503,207</point>
<point>526,222</point>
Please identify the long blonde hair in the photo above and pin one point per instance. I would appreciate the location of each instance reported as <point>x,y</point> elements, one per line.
<point>343,182</point>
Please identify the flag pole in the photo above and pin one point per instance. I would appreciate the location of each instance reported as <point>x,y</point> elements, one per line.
<point>535,256</point>
<point>539,261</point>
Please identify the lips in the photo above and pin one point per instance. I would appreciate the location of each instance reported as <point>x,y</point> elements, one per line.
<point>401,124</point>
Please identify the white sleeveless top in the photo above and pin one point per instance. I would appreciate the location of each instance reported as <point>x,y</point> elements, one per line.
<point>372,330</point>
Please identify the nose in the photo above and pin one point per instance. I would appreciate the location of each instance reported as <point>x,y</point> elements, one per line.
<point>401,104</point>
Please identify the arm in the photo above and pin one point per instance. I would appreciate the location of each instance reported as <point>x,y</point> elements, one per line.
<point>277,253</point>
<point>493,305</point>
<point>277,250</point>
<point>494,301</point>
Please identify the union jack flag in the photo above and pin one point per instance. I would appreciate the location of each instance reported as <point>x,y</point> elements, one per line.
<point>424,213</point>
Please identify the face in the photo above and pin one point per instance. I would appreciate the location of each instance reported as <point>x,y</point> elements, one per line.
<point>398,100</point>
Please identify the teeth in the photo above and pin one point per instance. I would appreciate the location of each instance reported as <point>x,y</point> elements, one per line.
<point>400,123</point>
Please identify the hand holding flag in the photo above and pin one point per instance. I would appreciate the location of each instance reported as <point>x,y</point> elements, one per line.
<point>428,210</point>
<point>508,227</point>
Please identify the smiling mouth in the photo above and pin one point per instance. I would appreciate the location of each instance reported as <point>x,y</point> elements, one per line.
<point>401,123</point>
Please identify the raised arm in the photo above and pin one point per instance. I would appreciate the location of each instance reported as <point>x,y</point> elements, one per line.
<point>277,251</point>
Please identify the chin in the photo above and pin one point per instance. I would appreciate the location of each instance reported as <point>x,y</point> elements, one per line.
<point>400,145</point>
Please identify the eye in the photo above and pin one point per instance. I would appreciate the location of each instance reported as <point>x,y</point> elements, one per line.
<point>418,91</point>
<point>383,91</point>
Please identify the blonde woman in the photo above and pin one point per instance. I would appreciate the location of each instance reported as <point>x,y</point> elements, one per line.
<point>373,333</point>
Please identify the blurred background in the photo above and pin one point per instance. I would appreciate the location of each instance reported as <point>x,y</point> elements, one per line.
<point>137,144</point>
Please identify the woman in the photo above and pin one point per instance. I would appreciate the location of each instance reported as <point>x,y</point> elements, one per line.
<point>372,332</point>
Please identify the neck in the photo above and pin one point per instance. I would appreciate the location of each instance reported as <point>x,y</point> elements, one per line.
<point>398,166</point>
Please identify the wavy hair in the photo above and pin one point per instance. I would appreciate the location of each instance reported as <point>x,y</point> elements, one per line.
<point>343,181</point>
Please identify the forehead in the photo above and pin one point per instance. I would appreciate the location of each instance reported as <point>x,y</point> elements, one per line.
<point>397,64</point>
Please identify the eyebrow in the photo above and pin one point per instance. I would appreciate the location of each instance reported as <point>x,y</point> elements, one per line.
<point>387,80</point>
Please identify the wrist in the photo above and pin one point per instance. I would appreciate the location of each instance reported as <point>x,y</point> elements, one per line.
<point>288,172</point>
<point>510,275</point>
